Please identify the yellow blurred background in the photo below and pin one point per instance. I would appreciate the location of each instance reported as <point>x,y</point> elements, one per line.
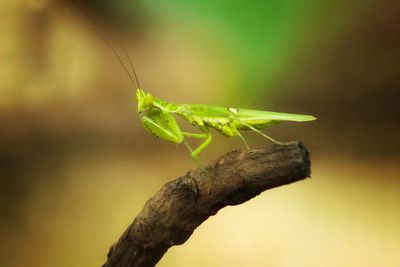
<point>76,165</point>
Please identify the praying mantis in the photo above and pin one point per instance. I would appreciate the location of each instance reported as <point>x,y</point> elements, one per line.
<point>157,117</point>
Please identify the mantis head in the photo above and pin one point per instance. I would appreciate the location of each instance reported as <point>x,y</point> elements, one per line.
<point>158,121</point>
<point>144,100</point>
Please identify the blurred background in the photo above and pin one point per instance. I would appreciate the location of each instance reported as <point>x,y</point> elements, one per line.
<point>76,165</point>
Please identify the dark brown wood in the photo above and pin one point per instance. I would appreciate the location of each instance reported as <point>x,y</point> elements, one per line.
<point>174,212</point>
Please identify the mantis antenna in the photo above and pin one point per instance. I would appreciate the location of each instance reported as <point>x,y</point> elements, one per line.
<point>137,85</point>
<point>123,65</point>
<point>131,64</point>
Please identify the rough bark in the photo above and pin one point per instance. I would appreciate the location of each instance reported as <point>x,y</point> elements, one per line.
<point>181,205</point>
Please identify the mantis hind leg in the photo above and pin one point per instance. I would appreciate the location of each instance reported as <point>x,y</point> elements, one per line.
<point>244,140</point>
<point>263,134</point>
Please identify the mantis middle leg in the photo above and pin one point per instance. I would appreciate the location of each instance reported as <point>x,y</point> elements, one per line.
<point>206,135</point>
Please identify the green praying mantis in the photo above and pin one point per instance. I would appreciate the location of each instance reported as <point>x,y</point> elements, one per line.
<point>157,117</point>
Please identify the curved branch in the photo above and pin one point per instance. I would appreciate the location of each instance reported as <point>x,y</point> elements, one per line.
<point>174,212</point>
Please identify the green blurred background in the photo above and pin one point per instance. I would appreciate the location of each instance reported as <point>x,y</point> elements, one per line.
<point>76,166</point>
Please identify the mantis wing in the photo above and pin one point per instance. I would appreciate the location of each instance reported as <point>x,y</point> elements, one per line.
<point>250,114</point>
<point>243,117</point>
<point>261,119</point>
<point>245,114</point>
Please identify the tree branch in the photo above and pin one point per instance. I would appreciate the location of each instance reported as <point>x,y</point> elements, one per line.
<point>174,212</point>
